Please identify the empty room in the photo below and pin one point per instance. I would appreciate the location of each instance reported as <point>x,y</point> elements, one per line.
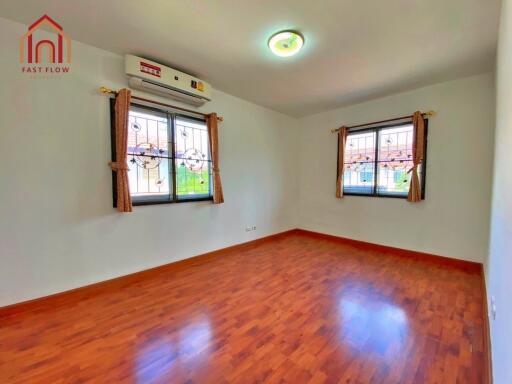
<point>235,191</point>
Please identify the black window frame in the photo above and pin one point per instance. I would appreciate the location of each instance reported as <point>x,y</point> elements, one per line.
<point>173,197</point>
<point>377,129</point>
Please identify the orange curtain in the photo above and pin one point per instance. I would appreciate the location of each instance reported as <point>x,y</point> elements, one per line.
<point>417,156</point>
<point>120,165</point>
<point>342,142</point>
<point>211,121</point>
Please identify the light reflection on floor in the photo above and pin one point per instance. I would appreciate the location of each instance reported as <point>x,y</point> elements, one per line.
<point>187,346</point>
<point>195,338</point>
<point>372,325</point>
<point>155,361</point>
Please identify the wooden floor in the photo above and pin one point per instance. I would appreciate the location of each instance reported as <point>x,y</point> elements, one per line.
<point>296,309</point>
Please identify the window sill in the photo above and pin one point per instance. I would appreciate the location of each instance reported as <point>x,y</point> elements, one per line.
<point>156,202</point>
<point>404,197</point>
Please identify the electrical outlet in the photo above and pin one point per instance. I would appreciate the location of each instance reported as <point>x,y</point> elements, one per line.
<point>493,308</point>
<point>250,228</point>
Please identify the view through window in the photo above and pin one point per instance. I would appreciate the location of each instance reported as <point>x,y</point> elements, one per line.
<point>377,161</point>
<point>168,157</point>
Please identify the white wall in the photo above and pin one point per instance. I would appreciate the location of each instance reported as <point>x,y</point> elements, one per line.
<point>499,265</point>
<point>58,229</point>
<point>453,220</point>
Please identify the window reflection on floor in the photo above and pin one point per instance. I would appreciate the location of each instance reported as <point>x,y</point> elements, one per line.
<point>372,325</point>
<point>155,361</point>
<point>187,346</point>
<point>195,338</point>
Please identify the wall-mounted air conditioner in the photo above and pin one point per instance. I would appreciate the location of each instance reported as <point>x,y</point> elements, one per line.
<point>149,76</point>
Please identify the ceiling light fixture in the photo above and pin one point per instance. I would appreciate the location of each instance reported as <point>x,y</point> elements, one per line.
<point>285,43</point>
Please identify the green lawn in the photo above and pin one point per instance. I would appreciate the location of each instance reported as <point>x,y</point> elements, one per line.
<point>192,182</point>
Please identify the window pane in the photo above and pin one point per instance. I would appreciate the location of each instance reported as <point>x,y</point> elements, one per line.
<point>148,155</point>
<point>359,176</point>
<point>193,163</point>
<point>395,160</point>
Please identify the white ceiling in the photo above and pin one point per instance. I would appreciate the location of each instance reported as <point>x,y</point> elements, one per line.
<point>355,49</point>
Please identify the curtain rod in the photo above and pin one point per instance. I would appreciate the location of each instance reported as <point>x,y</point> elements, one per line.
<point>425,114</point>
<point>107,91</point>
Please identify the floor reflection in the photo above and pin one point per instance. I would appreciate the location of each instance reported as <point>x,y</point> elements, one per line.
<point>372,325</point>
<point>195,337</point>
<point>188,345</point>
<point>155,361</point>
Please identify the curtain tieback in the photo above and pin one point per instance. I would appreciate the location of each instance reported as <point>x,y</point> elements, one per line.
<point>116,166</point>
<point>414,167</point>
<point>215,170</point>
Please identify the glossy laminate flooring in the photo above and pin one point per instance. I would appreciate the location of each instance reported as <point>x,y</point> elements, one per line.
<point>293,309</point>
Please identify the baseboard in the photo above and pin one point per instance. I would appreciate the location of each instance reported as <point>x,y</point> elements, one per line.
<point>79,293</point>
<point>487,336</point>
<point>464,264</point>
<point>87,290</point>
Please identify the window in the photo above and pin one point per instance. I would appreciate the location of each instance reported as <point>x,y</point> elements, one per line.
<point>377,161</point>
<point>168,157</point>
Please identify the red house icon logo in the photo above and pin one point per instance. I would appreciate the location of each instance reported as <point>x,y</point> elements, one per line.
<point>35,50</point>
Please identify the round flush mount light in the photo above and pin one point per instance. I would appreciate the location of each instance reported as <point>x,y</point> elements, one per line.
<point>286,43</point>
